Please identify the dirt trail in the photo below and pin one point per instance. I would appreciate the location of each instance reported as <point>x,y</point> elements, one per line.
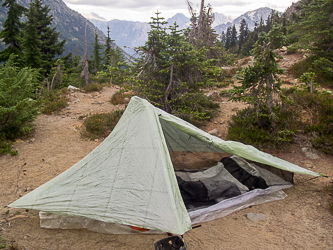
<point>301,221</point>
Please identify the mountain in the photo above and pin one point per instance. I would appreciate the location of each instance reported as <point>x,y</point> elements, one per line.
<point>221,19</point>
<point>133,34</point>
<point>125,33</point>
<point>251,17</point>
<point>181,20</point>
<point>93,16</point>
<point>69,23</point>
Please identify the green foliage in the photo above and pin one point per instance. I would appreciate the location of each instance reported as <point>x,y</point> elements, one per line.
<point>94,87</point>
<point>311,29</point>
<point>46,38</point>
<point>96,55</point>
<point>100,125</point>
<point>171,72</point>
<point>260,131</point>
<point>260,83</point>
<point>17,105</point>
<point>2,243</point>
<point>320,123</point>
<point>11,33</point>
<point>54,101</point>
<point>322,67</point>
<point>195,108</point>
<point>119,97</point>
<point>6,147</point>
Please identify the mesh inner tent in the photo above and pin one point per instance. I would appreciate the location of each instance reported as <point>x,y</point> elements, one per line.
<point>199,170</point>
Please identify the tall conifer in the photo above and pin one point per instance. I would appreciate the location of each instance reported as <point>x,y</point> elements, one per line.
<point>11,33</point>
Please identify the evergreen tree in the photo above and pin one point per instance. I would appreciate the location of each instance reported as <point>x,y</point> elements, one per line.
<point>228,39</point>
<point>171,72</point>
<point>96,54</point>
<point>243,29</point>
<point>233,39</point>
<point>223,38</point>
<point>313,30</point>
<point>108,51</point>
<point>49,44</point>
<point>11,33</point>
<point>260,83</point>
<point>32,41</point>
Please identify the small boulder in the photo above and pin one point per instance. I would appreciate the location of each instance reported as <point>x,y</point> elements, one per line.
<point>214,96</point>
<point>310,153</point>
<point>255,217</point>
<point>72,87</point>
<point>214,132</point>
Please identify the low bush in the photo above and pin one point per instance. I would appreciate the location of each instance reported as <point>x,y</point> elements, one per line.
<point>310,114</point>
<point>93,87</point>
<point>101,125</point>
<point>322,67</point>
<point>262,132</point>
<point>120,97</point>
<point>225,93</point>
<point>320,122</point>
<point>292,50</point>
<point>54,101</point>
<point>195,108</point>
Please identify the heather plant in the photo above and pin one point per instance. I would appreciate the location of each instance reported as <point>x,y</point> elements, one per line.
<point>101,125</point>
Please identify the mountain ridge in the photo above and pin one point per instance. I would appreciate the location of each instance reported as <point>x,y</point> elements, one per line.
<point>134,33</point>
<point>68,22</point>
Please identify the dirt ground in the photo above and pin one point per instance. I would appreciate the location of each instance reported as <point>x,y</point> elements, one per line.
<point>301,221</point>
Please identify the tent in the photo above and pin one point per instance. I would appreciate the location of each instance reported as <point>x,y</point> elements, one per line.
<point>129,179</point>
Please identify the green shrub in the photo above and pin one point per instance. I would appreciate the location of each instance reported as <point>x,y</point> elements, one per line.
<point>6,147</point>
<point>320,123</point>
<point>262,133</point>
<point>100,125</point>
<point>322,67</point>
<point>119,97</point>
<point>93,87</point>
<point>54,101</point>
<point>292,50</point>
<point>18,107</point>
<point>195,108</point>
<point>225,93</point>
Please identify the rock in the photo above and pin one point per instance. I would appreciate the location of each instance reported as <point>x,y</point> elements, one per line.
<point>235,109</point>
<point>32,139</point>
<point>310,153</point>
<point>255,217</point>
<point>126,100</point>
<point>214,132</point>
<point>283,49</point>
<point>72,87</point>
<point>226,68</point>
<point>214,96</point>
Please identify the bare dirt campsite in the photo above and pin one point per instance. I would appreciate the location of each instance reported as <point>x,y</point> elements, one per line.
<point>301,221</point>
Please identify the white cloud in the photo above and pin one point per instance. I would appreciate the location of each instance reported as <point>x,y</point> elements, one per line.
<point>138,10</point>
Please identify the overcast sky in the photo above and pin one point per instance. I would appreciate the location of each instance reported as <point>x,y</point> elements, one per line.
<point>138,10</point>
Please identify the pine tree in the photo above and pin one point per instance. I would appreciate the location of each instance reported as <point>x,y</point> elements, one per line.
<point>243,29</point>
<point>49,44</point>
<point>313,30</point>
<point>223,38</point>
<point>171,72</point>
<point>11,33</point>
<point>96,54</point>
<point>108,51</point>
<point>32,41</point>
<point>228,39</point>
<point>260,83</point>
<point>233,39</point>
